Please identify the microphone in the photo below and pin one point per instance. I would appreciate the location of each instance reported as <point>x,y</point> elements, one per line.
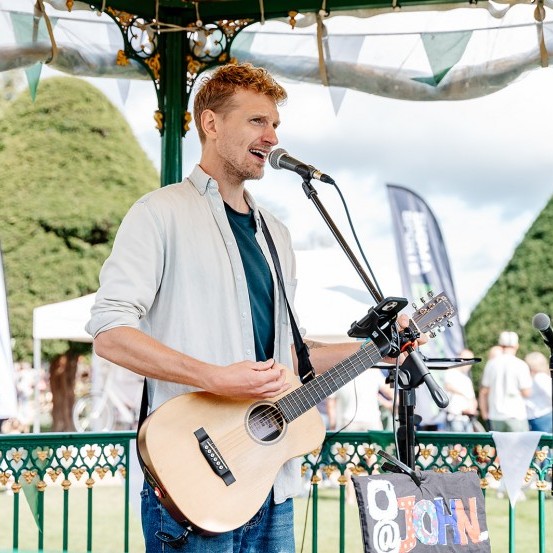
<point>279,159</point>
<point>542,322</point>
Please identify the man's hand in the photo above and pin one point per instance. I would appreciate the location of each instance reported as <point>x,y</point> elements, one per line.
<point>249,380</point>
<point>403,322</point>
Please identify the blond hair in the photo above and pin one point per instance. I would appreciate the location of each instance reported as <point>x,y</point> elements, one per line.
<point>216,90</point>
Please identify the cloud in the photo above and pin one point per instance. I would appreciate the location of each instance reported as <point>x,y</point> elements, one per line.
<point>484,167</point>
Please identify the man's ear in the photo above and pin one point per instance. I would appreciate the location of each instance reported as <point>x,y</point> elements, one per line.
<point>209,123</point>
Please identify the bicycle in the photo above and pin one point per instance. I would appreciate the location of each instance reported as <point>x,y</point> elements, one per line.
<point>104,411</point>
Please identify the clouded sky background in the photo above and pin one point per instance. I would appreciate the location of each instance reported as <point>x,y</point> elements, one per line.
<point>484,166</point>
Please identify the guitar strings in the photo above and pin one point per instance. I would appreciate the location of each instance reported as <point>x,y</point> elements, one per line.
<point>277,410</point>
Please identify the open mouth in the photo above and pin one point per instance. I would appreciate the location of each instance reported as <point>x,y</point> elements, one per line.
<point>259,154</point>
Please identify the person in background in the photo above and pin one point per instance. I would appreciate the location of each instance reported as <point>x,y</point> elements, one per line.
<point>462,399</point>
<point>538,405</point>
<point>506,383</point>
<point>356,406</point>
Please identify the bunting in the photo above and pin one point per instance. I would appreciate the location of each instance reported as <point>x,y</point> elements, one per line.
<point>30,29</point>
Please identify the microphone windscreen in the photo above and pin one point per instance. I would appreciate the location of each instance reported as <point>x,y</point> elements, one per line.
<point>541,321</point>
<point>274,156</point>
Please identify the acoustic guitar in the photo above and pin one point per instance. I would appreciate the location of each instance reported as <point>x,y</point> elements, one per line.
<point>212,460</point>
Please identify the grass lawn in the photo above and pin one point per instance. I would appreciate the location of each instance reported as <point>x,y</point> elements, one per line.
<point>109,529</point>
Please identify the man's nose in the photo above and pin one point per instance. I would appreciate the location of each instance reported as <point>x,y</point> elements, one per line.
<point>271,137</point>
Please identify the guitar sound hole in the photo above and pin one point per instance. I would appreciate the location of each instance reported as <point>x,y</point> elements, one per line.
<point>265,422</point>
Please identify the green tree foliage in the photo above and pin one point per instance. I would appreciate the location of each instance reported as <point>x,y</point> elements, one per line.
<point>524,288</point>
<point>71,168</point>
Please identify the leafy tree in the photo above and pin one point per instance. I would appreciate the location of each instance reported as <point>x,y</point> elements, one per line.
<point>71,168</point>
<point>524,288</point>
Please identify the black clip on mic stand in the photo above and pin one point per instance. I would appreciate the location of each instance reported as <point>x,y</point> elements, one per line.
<point>412,372</point>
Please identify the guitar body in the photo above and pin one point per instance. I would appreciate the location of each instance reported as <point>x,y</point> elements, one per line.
<point>251,443</point>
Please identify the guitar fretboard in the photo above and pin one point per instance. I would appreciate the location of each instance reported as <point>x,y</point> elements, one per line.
<point>303,398</point>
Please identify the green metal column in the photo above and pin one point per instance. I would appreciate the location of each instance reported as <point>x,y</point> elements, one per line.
<point>174,97</point>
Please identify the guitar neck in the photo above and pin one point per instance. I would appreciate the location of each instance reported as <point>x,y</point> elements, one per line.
<point>307,396</point>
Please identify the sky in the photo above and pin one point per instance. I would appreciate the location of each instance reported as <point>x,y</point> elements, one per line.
<point>484,166</point>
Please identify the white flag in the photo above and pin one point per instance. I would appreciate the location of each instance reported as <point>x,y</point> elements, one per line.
<point>8,396</point>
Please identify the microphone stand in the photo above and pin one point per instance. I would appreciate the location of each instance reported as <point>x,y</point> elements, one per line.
<point>413,370</point>
<point>551,375</point>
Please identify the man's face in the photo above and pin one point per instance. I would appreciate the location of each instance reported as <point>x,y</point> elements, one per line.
<point>246,134</point>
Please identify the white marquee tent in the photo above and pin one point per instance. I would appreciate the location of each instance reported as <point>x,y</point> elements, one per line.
<point>58,321</point>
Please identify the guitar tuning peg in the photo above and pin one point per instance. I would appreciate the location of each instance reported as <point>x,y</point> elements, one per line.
<point>432,334</point>
<point>414,305</point>
<point>422,300</point>
<point>449,324</point>
<point>430,294</point>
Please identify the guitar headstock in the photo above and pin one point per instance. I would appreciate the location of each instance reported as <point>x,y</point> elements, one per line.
<point>435,313</point>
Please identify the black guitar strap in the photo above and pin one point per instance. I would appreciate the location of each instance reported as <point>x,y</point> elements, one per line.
<point>305,368</point>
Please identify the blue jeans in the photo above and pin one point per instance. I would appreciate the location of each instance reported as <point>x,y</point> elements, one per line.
<point>542,424</point>
<point>271,530</point>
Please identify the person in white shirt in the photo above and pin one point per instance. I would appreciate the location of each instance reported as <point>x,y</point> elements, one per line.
<point>538,405</point>
<point>506,383</point>
<point>462,399</point>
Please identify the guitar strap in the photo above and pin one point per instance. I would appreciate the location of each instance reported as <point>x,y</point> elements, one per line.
<point>305,368</point>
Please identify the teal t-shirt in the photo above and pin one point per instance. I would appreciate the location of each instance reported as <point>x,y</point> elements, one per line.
<point>259,279</point>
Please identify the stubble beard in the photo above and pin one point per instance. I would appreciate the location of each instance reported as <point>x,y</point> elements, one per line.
<point>238,175</point>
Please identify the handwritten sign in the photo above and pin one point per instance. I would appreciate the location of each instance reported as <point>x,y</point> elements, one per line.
<point>446,513</point>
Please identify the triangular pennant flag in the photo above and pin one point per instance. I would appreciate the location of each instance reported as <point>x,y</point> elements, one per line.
<point>443,51</point>
<point>123,85</point>
<point>28,29</point>
<point>115,37</point>
<point>515,451</point>
<point>33,77</point>
<point>341,48</point>
<point>116,43</point>
<point>31,495</point>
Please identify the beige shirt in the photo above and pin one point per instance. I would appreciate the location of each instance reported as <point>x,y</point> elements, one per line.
<point>175,272</point>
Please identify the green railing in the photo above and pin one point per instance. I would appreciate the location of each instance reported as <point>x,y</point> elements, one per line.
<point>63,477</point>
<point>34,464</point>
<point>357,453</point>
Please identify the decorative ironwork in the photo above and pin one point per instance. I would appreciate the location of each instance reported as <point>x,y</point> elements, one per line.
<point>43,464</point>
<point>210,46</point>
<point>292,15</point>
<point>47,460</point>
<point>206,46</point>
<point>122,59</point>
<point>357,453</point>
<point>158,118</point>
<point>187,121</point>
<point>141,41</point>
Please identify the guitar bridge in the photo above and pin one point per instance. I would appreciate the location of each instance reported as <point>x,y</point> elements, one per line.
<point>213,457</point>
